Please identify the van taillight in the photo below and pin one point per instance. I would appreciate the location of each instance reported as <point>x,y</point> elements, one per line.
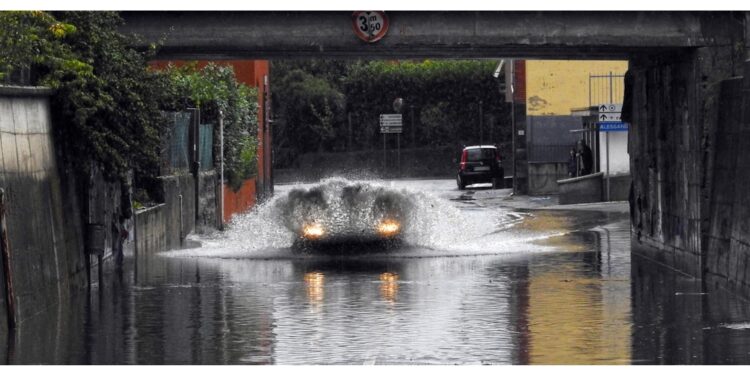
<point>462,166</point>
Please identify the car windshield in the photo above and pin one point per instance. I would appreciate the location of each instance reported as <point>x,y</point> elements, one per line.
<point>476,154</point>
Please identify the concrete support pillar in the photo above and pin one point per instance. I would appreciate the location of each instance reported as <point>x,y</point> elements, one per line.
<point>675,115</point>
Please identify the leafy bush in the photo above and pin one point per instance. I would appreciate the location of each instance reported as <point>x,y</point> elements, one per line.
<point>310,110</point>
<point>316,98</point>
<point>214,89</point>
<point>446,97</point>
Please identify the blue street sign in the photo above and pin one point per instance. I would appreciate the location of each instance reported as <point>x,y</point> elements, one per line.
<point>613,126</point>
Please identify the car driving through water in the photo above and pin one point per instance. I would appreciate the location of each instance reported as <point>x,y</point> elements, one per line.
<point>346,217</point>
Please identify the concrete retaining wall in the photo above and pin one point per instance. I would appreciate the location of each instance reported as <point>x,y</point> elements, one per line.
<point>674,100</point>
<point>179,208</point>
<point>208,213</point>
<point>542,177</point>
<point>43,214</point>
<point>619,187</point>
<point>178,215</point>
<point>681,187</point>
<point>151,230</point>
<point>728,238</point>
<point>584,189</point>
<point>3,306</point>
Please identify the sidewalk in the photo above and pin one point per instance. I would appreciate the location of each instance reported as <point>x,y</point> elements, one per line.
<point>550,202</point>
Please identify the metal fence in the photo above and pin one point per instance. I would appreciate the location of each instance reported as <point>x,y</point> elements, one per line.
<point>177,144</point>
<point>175,155</point>
<point>550,153</point>
<point>549,138</point>
<point>606,88</point>
<point>206,146</point>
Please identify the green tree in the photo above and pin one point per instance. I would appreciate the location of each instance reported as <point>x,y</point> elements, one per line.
<point>309,111</point>
<point>446,96</point>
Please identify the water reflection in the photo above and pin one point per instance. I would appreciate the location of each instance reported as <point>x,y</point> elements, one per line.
<point>389,286</point>
<point>693,322</point>
<point>586,302</point>
<point>315,292</point>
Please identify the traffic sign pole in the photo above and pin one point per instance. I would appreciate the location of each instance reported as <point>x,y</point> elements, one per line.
<point>384,155</point>
<point>606,136</point>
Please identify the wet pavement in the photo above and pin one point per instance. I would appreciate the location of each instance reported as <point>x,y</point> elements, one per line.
<point>521,281</point>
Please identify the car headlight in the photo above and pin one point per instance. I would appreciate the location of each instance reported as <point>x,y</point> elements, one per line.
<point>389,228</point>
<point>312,231</point>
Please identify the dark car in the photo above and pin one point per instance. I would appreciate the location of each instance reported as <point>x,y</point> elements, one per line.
<point>480,164</point>
<point>342,217</point>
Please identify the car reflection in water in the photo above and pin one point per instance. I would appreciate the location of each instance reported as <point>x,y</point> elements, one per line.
<point>315,282</point>
<point>389,286</point>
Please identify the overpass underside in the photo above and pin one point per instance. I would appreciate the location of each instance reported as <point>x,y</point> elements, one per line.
<point>687,98</point>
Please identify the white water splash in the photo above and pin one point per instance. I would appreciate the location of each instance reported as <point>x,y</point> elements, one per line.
<point>432,226</point>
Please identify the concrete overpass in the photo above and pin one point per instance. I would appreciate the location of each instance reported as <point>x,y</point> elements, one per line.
<point>687,98</point>
<point>198,35</point>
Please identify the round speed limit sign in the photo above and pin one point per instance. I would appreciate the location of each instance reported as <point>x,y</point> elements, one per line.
<point>370,26</point>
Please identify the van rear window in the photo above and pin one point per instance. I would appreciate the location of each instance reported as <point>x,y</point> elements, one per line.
<point>476,154</point>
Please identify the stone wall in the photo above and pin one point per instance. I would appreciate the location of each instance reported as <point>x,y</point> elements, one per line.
<point>43,215</point>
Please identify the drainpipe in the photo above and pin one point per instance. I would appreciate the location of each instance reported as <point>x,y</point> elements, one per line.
<point>221,170</point>
<point>7,269</point>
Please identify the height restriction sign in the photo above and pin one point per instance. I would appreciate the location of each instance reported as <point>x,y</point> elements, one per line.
<point>370,26</point>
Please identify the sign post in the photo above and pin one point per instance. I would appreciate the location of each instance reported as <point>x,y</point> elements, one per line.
<point>391,123</point>
<point>610,120</point>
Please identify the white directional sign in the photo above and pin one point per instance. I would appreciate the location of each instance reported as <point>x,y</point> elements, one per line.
<point>391,130</point>
<point>610,107</point>
<point>391,123</point>
<point>610,117</point>
<point>609,112</point>
<point>390,118</point>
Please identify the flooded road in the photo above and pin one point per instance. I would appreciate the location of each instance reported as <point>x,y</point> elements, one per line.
<point>476,283</point>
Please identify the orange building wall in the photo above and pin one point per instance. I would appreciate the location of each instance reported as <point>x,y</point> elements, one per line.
<point>519,92</point>
<point>251,73</point>
<point>240,200</point>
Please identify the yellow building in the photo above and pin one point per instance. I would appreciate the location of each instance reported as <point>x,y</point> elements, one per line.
<point>553,87</point>
<point>582,311</point>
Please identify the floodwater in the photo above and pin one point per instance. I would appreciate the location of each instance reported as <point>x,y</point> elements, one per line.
<point>475,283</point>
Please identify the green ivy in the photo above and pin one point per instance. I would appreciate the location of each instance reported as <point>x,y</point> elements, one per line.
<point>107,101</point>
